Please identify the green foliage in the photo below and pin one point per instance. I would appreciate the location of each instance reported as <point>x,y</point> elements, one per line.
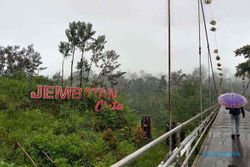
<point>16,61</point>
<point>243,69</point>
<point>110,138</point>
<point>72,134</point>
<point>4,164</point>
<point>243,51</point>
<point>124,148</point>
<point>82,41</point>
<point>68,135</point>
<point>152,157</point>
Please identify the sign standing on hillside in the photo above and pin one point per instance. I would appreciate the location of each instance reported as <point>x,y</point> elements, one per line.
<point>77,93</point>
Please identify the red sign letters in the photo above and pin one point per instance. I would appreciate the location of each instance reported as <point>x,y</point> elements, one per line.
<point>57,92</point>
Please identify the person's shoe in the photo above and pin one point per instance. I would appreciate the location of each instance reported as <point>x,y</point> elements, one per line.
<point>232,136</point>
<point>238,135</point>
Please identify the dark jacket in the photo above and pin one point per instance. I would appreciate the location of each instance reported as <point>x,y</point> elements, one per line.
<point>231,110</point>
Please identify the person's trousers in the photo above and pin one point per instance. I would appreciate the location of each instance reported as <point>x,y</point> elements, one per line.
<point>235,122</point>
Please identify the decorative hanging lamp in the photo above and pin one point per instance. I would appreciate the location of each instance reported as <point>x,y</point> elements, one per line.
<point>213,22</point>
<point>220,74</point>
<point>208,1</point>
<point>218,64</point>
<point>219,68</point>
<point>216,50</point>
<point>213,29</point>
<point>217,57</point>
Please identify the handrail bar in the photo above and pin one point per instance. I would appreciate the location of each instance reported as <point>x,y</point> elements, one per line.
<point>173,156</point>
<point>131,157</point>
<point>196,144</point>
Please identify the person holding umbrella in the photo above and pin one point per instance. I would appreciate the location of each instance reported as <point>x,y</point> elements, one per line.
<point>235,120</point>
<point>234,103</point>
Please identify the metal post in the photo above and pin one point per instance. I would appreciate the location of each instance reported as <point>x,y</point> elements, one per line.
<point>169,73</point>
<point>199,20</point>
<point>146,127</point>
<point>178,142</point>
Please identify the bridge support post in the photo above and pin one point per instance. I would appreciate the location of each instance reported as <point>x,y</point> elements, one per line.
<point>178,141</point>
<point>146,127</point>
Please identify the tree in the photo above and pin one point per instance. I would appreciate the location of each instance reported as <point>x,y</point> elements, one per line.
<point>81,38</point>
<point>82,66</point>
<point>163,83</point>
<point>56,77</point>
<point>2,60</point>
<point>64,49</point>
<point>15,60</point>
<point>243,69</point>
<point>32,60</point>
<point>108,66</point>
<point>72,35</point>
<point>85,37</point>
<point>96,47</point>
<point>196,73</point>
<point>177,77</point>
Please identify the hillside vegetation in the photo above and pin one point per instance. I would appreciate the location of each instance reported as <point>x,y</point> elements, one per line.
<point>68,131</point>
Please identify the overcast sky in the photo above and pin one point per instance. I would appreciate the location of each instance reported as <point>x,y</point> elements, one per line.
<point>136,29</point>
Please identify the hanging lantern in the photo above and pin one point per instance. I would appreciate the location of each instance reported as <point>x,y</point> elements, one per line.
<point>213,22</point>
<point>217,57</point>
<point>219,68</point>
<point>213,29</point>
<point>218,64</point>
<point>220,74</point>
<point>216,51</point>
<point>208,1</point>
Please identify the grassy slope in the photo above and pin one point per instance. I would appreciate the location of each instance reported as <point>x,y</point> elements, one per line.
<point>71,136</point>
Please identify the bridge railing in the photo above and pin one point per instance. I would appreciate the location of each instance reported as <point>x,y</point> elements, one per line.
<point>189,144</point>
<point>177,151</point>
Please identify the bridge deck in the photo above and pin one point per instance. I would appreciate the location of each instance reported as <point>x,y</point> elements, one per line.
<point>219,150</point>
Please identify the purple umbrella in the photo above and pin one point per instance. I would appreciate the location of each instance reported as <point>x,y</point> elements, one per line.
<point>232,100</point>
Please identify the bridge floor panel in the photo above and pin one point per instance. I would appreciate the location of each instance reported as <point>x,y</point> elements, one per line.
<point>219,150</point>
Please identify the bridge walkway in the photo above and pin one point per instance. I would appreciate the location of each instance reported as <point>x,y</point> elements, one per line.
<point>219,150</point>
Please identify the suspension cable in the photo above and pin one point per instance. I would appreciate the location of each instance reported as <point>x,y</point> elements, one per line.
<point>216,46</point>
<point>208,46</point>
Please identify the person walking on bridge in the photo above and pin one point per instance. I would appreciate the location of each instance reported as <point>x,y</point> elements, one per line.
<point>235,120</point>
<point>234,102</point>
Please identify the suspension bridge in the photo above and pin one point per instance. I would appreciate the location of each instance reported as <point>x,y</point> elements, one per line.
<point>217,149</point>
<point>210,143</point>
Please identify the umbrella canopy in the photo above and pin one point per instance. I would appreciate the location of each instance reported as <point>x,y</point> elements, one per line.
<point>232,100</point>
